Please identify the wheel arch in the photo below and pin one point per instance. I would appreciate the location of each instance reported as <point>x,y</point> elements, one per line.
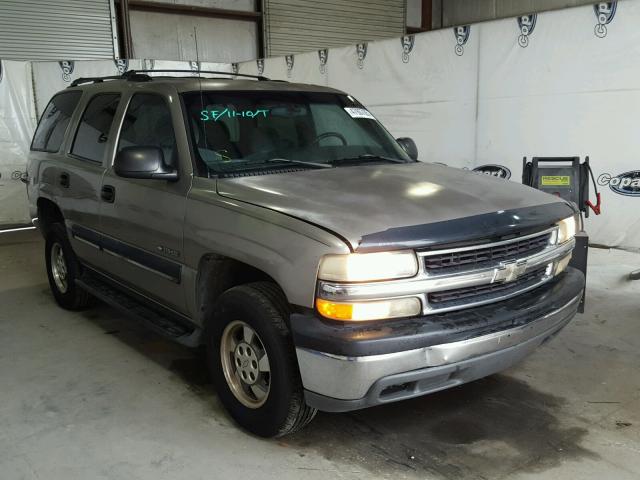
<point>217,274</point>
<point>48,214</point>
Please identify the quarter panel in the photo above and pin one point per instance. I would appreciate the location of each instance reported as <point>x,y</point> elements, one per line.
<point>79,202</point>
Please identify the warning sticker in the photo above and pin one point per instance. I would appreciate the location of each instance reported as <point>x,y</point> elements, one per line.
<point>359,113</point>
<point>555,180</point>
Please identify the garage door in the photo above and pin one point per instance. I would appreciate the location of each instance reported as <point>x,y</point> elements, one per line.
<point>292,26</point>
<point>56,29</point>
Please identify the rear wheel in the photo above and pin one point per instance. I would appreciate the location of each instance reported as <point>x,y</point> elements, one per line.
<point>252,361</point>
<point>63,269</point>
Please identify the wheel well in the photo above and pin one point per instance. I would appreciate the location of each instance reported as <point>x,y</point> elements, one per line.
<point>217,274</point>
<point>48,214</point>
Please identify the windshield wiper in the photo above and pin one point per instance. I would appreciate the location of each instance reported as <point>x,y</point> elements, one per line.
<point>299,162</point>
<point>366,158</point>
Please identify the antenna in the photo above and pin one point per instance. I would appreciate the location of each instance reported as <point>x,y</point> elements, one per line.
<point>204,129</point>
<point>195,38</point>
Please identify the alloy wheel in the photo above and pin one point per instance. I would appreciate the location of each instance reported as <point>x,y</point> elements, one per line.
<point>245,364</point>
<point>59,268</point>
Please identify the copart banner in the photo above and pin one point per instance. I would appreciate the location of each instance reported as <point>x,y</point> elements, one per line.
<point>25,91</point>
<point>51,77</point>
<point>560,83</point>
<point>565,83</point>
<point>17,122</point>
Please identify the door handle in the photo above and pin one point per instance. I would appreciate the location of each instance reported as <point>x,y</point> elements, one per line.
<point>64,180</point>
<point>108,193</point>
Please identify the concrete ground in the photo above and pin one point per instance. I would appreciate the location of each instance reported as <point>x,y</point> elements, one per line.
<point>92,396</point>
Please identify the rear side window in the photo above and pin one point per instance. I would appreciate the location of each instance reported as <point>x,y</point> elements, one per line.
<point>55,119</point>
<point>92,136</point>
<point>147,123</point>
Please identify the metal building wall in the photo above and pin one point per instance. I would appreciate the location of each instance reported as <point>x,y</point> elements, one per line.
<point>56,29</point>
<point>226,30</point>
<point>447,13</point>
<point>171,37</point>
<point>292,26</point>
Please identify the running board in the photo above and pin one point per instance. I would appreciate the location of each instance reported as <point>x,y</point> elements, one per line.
<point>163,323</point>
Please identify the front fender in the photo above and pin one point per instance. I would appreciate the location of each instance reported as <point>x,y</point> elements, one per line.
<point>285,248</point>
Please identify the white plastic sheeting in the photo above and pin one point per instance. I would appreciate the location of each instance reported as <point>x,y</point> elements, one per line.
<point>17,122</point>
<point>569,92</point>
<point>25,90</point>
<point>431,97</point>
<point>561,83</point>
<point>51,77</point>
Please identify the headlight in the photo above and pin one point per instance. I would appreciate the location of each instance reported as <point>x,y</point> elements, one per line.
<point>567,229</point>
<point>367,267</point>
<point>375,310</point>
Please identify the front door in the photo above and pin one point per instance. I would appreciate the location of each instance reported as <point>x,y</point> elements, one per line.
<point>142,219</point>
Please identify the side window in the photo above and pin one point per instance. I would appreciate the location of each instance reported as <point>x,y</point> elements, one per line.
<point>93,132</point>
<point>55,119</point>
<point>147,123</point>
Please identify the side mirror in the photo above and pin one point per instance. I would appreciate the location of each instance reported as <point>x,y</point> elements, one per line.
<point>409,146</point>
<point>143,162</point>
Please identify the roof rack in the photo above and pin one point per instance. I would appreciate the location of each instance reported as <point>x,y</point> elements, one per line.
<point>130,73</point>
<point>141,76</point>
<point>83,80</point>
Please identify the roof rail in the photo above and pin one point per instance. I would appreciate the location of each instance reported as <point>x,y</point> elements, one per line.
<point>141,76</point>
<point>129,73</point>
<point>83,80</point>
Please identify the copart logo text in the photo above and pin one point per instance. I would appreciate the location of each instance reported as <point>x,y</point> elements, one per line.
<point>67,69</point>
<point>526,24</point>
<point>408,41</point>
<point>323,57</point>
<point>605,11</point>
<point>361,53</point>
<point>627,183</point>
<point>289,60</point>
<point>462,37</point>
<point>494,171</point>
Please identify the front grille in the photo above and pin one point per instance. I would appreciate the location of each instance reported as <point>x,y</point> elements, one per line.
<point>480,293</point>
<point>464,260</point>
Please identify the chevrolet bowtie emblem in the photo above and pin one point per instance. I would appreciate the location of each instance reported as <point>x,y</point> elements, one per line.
<point>509,271</point>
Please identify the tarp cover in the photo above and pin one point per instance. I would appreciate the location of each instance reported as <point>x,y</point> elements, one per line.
<point>24,95</point>
<point>17,122</point>
<point>559,83</point>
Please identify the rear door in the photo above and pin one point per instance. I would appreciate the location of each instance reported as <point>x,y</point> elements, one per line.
<point>142,219</point>
<point>73,176</point>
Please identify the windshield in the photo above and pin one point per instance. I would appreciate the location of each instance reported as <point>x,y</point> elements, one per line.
<point>238,131</point>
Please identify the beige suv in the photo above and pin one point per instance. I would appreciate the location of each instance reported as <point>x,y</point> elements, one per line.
<point>281,226</point>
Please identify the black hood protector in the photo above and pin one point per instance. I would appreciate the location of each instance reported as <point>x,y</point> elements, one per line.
<point>475,229</point>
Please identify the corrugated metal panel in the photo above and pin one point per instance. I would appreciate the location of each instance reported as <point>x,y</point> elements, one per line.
<point>292,26</point>
<point>56,29</point>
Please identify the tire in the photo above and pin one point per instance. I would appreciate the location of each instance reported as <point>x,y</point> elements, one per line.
<point>263,307</point>
<point>63,273</point>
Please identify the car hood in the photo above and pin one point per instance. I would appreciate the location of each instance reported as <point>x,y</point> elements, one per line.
<point>373,207</point>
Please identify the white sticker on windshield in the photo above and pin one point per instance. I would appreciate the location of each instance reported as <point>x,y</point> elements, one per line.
<point>359,113</point>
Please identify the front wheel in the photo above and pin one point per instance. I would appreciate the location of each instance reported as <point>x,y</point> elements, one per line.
<point>252,361</point>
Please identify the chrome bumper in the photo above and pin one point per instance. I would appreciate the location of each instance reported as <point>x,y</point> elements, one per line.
<point>341,383</point>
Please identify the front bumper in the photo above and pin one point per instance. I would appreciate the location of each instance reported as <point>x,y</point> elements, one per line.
<point>347,367</point>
